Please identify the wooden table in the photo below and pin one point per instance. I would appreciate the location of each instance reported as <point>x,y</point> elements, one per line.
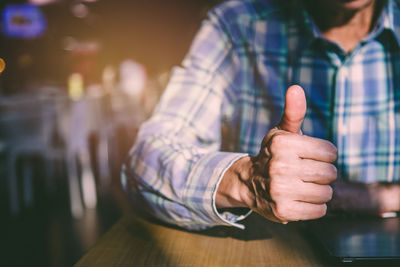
<point>133,241</point>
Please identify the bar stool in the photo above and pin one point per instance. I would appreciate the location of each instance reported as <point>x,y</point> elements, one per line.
<point>26,126</point>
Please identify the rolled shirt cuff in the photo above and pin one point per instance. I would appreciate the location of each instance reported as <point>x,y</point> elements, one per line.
<point>203,185</point>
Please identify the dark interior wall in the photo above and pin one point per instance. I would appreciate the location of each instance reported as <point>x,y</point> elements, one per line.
<point>156,33</point>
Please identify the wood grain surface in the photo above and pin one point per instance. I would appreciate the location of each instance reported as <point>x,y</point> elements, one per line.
<point>133,241</point>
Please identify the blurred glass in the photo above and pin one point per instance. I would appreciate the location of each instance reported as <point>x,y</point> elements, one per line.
<point>23,21</point>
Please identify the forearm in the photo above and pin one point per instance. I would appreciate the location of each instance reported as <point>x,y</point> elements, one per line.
<point>182,193</point>
<point>375,199</point>
<point>231,193</point>
<point>390,198</point>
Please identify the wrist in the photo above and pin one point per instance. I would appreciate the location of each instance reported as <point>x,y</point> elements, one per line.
<point>390,198</point>
<point>232,191</point>
<point>376,198</point>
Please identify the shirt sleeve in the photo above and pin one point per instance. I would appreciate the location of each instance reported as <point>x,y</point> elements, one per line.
<point>176,164</point>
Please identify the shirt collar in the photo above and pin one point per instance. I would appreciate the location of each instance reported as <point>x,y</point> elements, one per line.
<point>301,31</point>
<point>307,31</point>
<point>390,20</point>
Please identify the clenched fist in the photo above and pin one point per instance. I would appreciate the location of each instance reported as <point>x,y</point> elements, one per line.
<point>289,179</point>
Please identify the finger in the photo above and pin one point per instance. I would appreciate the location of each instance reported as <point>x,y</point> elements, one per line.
<point>313,193</point>
<point>307,170</point>
<point>297,210</point>
<point>308,211</point>
<point>317,149</point>
<point>294,111</point>
<point>303,146</point>
<point>318,172</point>
<point>290,188</point>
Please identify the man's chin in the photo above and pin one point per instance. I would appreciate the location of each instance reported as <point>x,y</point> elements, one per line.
<point>352,4</point>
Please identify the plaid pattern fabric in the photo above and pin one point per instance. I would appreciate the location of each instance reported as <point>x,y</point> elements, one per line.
<point>230,92</point>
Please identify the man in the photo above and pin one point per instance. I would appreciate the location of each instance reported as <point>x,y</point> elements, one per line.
<point>339,60</point>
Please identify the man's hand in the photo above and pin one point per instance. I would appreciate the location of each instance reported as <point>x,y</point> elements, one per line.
<point>289,179</point>
<point>359,198</point>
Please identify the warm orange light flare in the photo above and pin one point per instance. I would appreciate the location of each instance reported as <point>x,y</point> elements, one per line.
<point>2,65</point>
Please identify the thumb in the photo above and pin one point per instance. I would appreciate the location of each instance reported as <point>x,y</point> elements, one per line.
<point>295,110</point>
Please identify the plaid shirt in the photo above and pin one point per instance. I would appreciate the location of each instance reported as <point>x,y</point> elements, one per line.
<point>230,92</point>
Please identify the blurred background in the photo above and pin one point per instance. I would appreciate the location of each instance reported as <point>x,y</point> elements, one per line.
<point>77,77</point>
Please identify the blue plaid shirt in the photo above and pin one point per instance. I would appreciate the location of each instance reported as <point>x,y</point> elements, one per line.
<point>230,92</point>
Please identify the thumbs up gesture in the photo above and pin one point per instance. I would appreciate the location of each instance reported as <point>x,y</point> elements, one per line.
<point>289,179</point>
<point>295,110</point>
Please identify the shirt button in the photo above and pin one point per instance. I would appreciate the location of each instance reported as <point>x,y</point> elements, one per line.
<point>345,72</point>
<point>186,154</point>
<point>167,142</point>
<point>343,129</point>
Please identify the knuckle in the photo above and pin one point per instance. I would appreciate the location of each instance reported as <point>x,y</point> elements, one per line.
<point>333,151</point>
<point>333,173</point>
<point>277,142</point>
<point>319,211</point>
<point>281,210</point>
<point>274,189</point>
<point>323,210</point>
<point>329,193</point>
<point>276,167</point>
